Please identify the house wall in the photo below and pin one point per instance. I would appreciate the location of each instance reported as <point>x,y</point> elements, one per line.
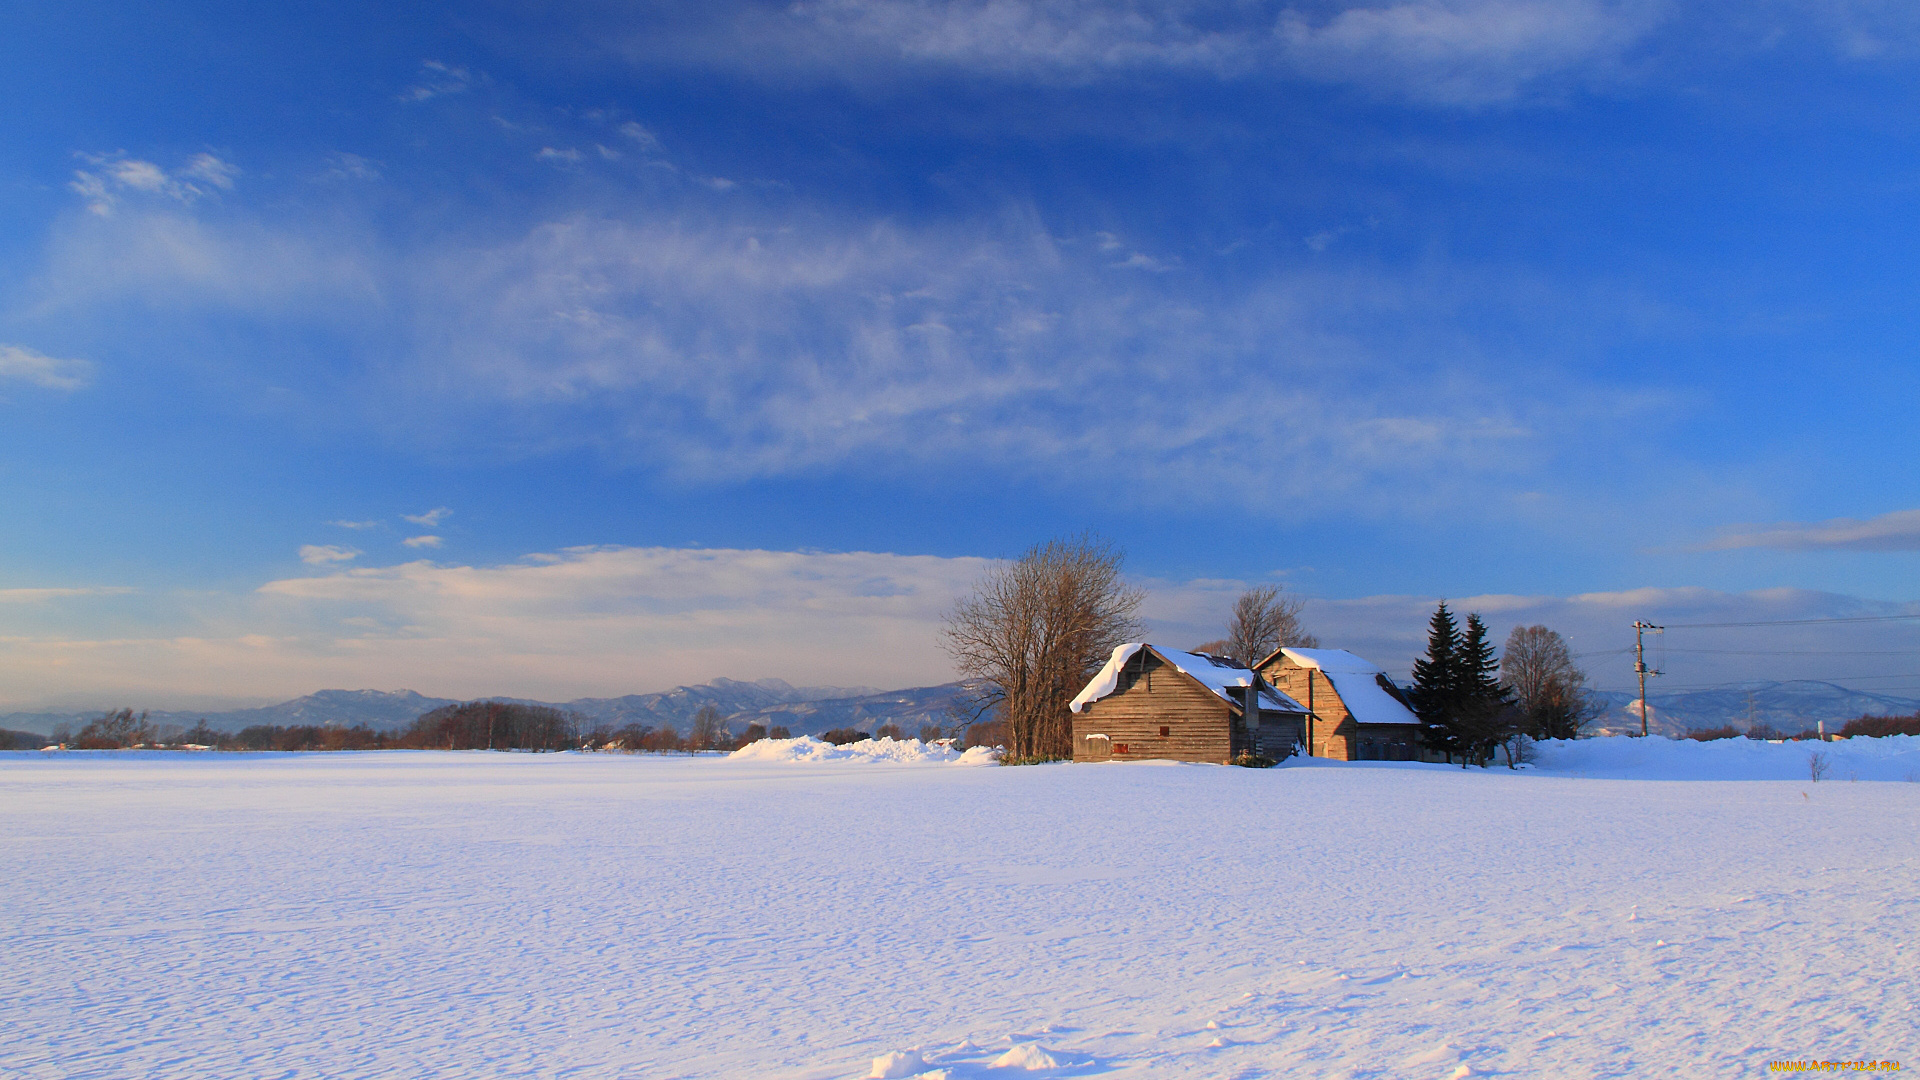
<point>1198,723</point>
<point>1332,725</point>
<point>1336,734</point>
<point>1384,738</point>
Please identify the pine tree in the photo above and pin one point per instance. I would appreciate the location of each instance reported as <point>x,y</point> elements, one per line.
<point>1482,704</point>
<point>1435,686</point>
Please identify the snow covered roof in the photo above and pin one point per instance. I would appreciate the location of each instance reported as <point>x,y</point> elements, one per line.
<point>1361,684</point>
<point>1215,673</point>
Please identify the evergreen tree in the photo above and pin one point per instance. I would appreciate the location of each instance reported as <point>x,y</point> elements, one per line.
<point>1483,706</point>
<point>1435,686</point>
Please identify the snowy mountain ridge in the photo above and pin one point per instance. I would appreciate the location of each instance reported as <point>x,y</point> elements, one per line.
<point>810,710</point>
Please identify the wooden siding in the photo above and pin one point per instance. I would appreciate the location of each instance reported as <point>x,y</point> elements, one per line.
<point>1330,724</point>
<point>1336,734</point>
<point>1153,694</point>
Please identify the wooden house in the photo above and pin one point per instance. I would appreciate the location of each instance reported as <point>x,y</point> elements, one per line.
<point>1149,703</point>
<point>1354,711</point>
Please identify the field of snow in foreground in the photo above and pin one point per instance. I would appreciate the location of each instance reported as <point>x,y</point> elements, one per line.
<point>488,915</point>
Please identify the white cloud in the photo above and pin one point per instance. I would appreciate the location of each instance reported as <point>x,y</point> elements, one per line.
<point>356,524</point>
<point>579,622</point>
<point>754,342</point>
<point>567,156</point>
<point>430,518</point>
<point>1896,531</point>
<point>345,166</point>
<point>437,79</point>
<point>115,174</point>
<point>1446,51</point>
<point>35,596</point>
<point>422,541</point>
<point>326,554</point>
<point>22,364</point>
<point>639,134</point>
<point>601,621</point>
<point>169,256</point>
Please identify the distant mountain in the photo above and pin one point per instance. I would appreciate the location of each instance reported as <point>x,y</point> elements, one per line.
<point>389,710</point>
<point>810,710</point>
<point>734,699</point>
<point>377,709</point>
<point>1790,707</point>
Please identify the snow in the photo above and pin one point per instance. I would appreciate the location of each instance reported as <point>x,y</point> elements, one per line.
<point>1357,681</point>
<point>896,751</point>
<point>611,915</point>
<point>1221,678</point>
<point>1896,757</point>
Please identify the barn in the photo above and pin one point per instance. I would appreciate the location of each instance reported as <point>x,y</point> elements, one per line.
<point>1354,711</point>
<point>1149,703</point>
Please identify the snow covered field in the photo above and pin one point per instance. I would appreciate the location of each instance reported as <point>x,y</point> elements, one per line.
<point>478,915</point>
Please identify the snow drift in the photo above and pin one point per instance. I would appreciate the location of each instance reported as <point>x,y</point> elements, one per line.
<point>806,748</point>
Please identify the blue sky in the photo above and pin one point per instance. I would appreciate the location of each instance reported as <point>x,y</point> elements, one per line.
<point>1564,308</point>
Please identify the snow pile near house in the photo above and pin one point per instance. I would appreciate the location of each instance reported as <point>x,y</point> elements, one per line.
<point>808,749</point>
<point>1620,757</point>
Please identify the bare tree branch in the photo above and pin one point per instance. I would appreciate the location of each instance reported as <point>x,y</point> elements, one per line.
<point>1036,630</point>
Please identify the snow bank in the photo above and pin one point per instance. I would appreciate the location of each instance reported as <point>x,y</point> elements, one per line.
<point>893,751</point>
<point>1619,757</point>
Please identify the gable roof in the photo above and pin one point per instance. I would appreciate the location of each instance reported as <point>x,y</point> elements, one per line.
<point>1217,674</point>
<point>1361,684</point>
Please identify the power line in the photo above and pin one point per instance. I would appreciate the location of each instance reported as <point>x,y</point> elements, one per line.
<point>1789,622</point>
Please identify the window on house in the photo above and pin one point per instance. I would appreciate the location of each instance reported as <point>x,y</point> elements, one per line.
<point>1165,731</point>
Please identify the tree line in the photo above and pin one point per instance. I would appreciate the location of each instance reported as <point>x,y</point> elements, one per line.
<point>473,725</point>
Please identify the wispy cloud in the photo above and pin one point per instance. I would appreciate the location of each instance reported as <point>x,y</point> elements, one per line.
<point>114,175</point>
<point>345,166</point>
<point>1453,52</point>
<point>35,596</point>
<point>437,79</point>
<point>327,554</point>
<point>422,541</point>
<point>429,518</point>
<point>761,344</point>
<point>21,364</point>
<point>1896,531</point>
<point>356,524</point>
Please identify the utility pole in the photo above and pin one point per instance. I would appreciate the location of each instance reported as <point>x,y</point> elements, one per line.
<point>1640,666</point>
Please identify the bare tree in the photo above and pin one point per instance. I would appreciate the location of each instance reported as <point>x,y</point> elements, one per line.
<point>1549,689</point>
<point>1264,620</point>
<point>708,729</point>
<point>1035,630</point>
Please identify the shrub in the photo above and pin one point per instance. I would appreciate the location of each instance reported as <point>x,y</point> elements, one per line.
<point>779,731</point>
<point>843,736</point>
<point>755,732</point>
<point>1879,727</point>
<point>1711,734</point>
<point>889,731</point>
<point>932,732</point>
<point>1250,760</point>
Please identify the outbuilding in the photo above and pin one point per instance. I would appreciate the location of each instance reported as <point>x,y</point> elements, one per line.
<point>1354,711</point>
<point>1149,703</point>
